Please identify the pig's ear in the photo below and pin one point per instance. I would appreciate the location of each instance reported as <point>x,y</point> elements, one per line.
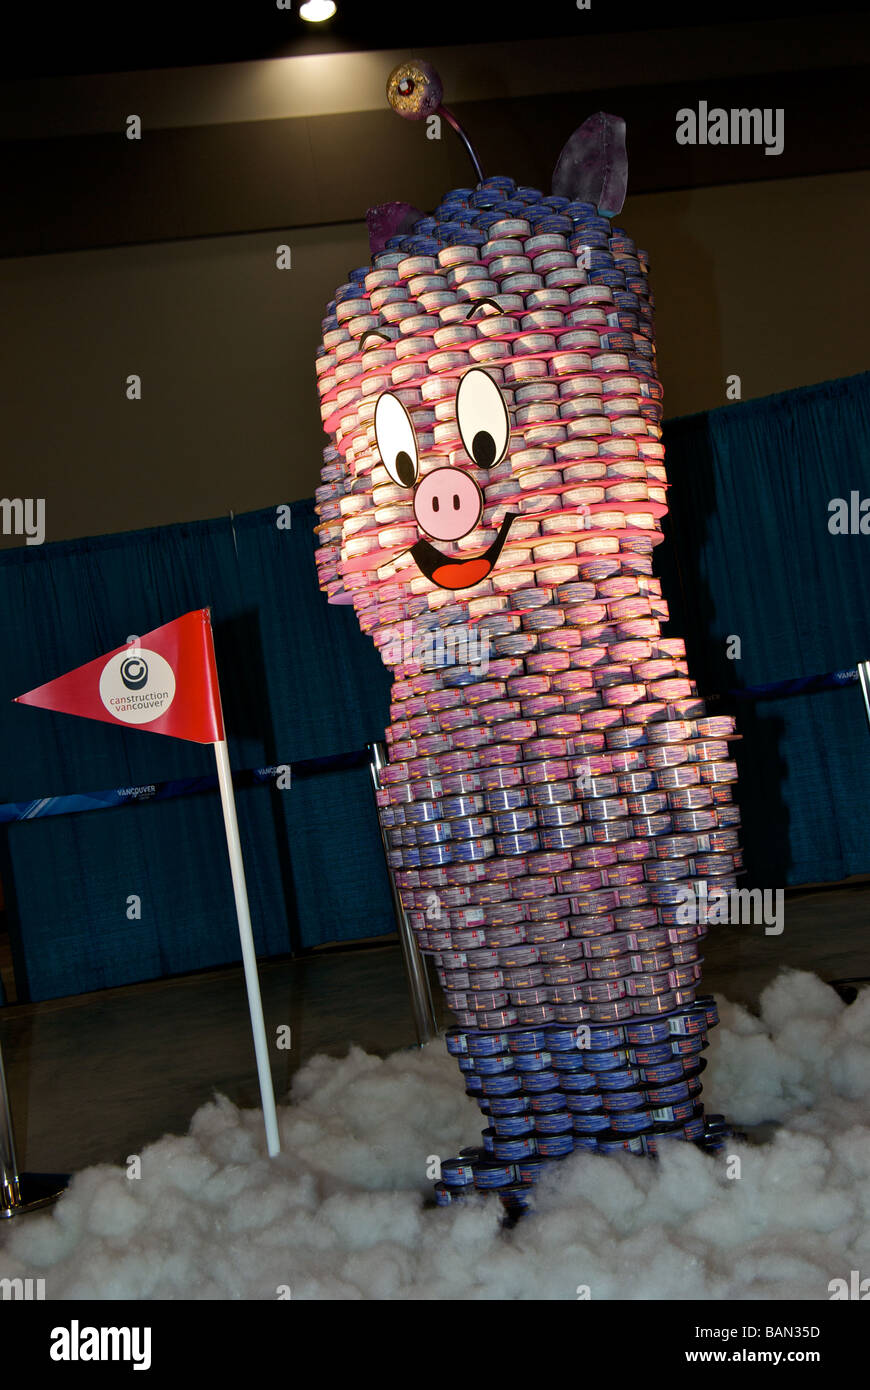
<point>593,166</point>
<point>389,219</point>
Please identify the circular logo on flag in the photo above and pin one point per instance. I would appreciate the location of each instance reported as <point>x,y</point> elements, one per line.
<point>134,673</point>
<point>137,687</point>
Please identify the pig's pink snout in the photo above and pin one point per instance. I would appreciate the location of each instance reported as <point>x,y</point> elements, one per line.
<point>447,504</point>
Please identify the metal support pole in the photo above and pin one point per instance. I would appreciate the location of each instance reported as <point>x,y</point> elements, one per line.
<point>10,1193</point>
<point>415,967</point>
<point>846,988</point>
<point>20,1193</point>
<point>452,121</point>
<point>864,678</point>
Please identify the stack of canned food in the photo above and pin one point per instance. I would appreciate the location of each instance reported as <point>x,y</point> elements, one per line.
<point>556,791</point>
<point>548,1092</point>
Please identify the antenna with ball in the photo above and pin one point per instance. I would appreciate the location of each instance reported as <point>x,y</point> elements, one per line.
<point>414,89</point>
<point>592,166</point>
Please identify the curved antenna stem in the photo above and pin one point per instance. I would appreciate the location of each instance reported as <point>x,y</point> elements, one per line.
<point>451,120</point>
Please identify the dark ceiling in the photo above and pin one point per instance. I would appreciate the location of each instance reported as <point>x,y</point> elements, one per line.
<point>66,39</point>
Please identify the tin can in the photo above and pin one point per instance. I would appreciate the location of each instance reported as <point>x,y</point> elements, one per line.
<point>457,1172</point>
<point>494,1173</point>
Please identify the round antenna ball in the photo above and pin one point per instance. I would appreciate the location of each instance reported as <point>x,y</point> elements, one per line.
<point>414,90</point>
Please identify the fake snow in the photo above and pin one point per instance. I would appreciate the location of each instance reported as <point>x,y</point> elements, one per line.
<point>342,1213</point>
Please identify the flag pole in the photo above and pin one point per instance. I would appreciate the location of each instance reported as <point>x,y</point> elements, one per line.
<point>249,957</point>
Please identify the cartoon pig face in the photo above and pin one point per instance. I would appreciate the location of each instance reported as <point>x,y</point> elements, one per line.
<point>448,503</point>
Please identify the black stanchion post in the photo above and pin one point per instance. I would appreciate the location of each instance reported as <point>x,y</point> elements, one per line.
<point>20,1192</point>
<point>10,1195</point>
<point>846,988</point>
<point>415,968</point>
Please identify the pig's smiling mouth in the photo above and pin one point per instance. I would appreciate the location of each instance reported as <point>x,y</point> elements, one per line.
<point>448,573</point>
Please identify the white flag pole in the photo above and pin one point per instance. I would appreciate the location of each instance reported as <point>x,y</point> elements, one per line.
<point>243,912</point>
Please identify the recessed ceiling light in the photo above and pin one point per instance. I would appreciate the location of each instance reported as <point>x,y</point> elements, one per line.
<point>317,10</point>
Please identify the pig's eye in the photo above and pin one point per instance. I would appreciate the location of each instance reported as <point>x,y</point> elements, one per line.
<point>483,419</point>
<point>397,444</point>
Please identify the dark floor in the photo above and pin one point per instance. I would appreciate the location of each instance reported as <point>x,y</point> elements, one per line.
<point>95,1078</point>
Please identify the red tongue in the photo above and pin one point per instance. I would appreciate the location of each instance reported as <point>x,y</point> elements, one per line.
<point>461,574</point>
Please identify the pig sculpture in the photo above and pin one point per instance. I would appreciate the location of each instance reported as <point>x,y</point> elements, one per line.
<point>492,493</point>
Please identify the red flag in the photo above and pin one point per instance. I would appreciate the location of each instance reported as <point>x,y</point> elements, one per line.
<point>165,683</point>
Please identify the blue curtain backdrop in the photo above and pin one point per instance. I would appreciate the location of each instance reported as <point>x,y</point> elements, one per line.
<point>298,681</point>
<point>749,554</point>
